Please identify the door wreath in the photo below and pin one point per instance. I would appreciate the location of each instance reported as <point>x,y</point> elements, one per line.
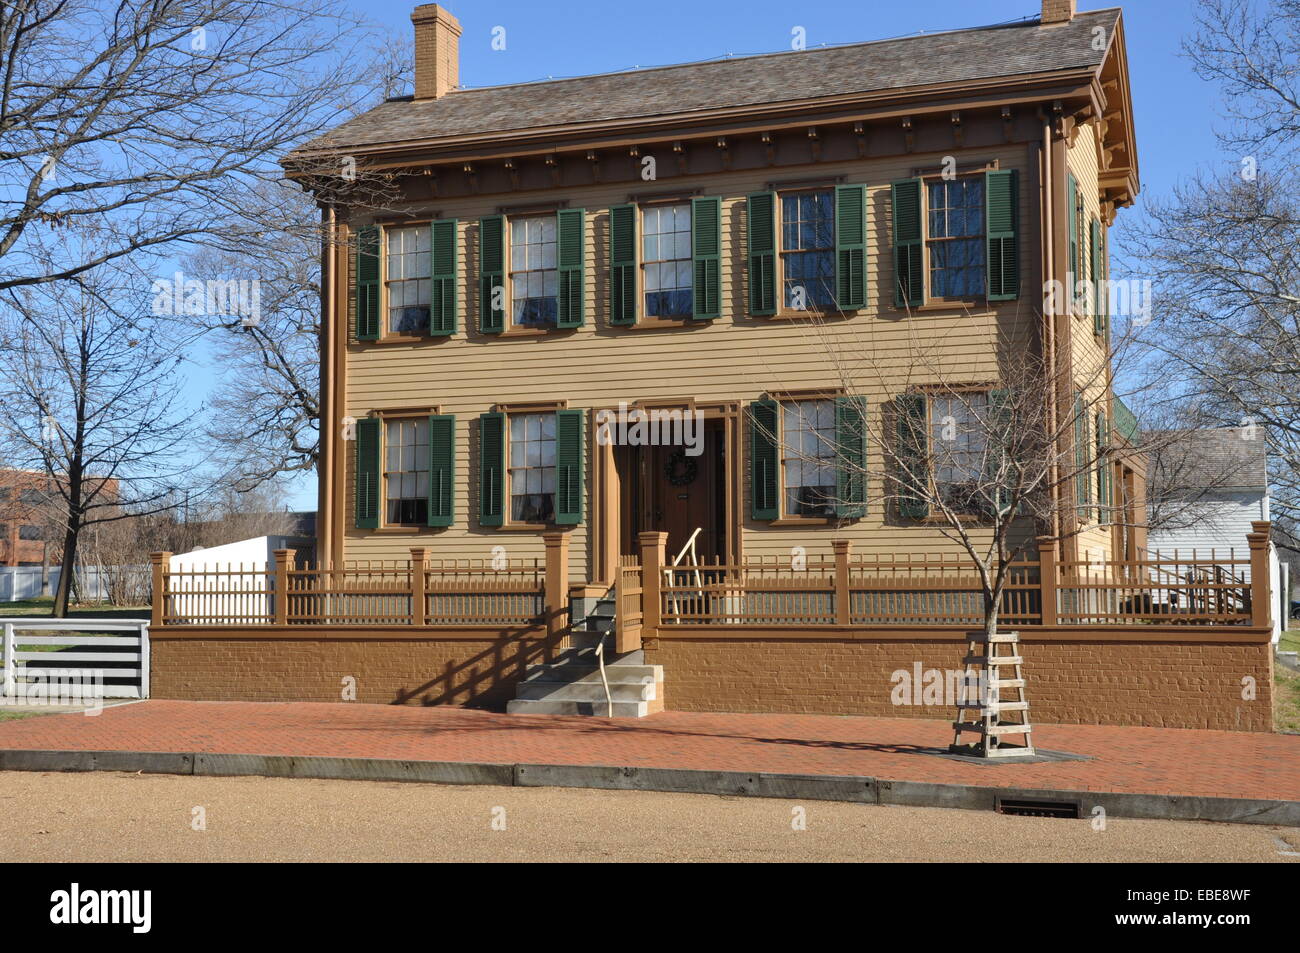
<point>680,469</point>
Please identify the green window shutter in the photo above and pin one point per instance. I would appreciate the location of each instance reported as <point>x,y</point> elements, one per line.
<point>1103,467</point>
<point>367,473</point>
<point>909,244</point>
<point>1082,478</point>
<point>491,469</point>
<point>851,457</point>
<point>764,461</point>
<point>569,467</point>
<point>571,230</point>
<point>1103,302</point>
<point>706,255</point>
<point>761,229</point>
<point>1002,209</point>
<point>999,421</point>
<point>442,469</point>
<point>367,294</point>
<point>1072,223</point>
<point>913,453</point>
<point>1098,320</point>
<point>491,272</point>
<point>850,247</point>
<point>442,270</point>
<point>622,265</point>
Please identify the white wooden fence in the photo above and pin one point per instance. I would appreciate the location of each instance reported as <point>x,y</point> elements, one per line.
<point>24,582</point>
<point>81,662</point>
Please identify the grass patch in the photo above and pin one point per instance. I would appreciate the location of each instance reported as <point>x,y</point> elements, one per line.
<point>1289,641</point>
<point>1286,700</point>
<point>43,606</point>
<point>18,715</point>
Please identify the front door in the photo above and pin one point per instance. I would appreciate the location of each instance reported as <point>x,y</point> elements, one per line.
<point>664,489</point>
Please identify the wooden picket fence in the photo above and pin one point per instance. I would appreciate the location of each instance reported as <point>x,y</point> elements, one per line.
<point>840,589</point>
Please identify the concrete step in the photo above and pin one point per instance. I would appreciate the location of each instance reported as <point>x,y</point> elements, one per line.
<point>584,653</point>
<point>592,691</point>
<point>595,624</point>
<point>622,709</point>
<point>616,674</point>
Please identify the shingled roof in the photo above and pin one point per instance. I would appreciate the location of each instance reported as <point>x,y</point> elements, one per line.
<point>958,56</point>
<point>1223,458</point>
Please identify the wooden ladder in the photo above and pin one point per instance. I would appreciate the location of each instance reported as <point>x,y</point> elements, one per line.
<point>997,673</point>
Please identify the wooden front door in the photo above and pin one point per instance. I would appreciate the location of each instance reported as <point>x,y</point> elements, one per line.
<point>664,490</point>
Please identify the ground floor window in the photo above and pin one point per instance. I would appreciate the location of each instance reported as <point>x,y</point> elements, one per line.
<point>808,457</point>
<point>406,476</point>
<point>957,446</point>
<point>532,468</point>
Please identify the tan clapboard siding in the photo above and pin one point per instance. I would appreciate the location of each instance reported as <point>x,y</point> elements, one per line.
<point>1089,352</point>
<point>733,358</point>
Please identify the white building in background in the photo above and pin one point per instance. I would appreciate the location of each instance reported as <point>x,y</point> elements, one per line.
<point>1212,484</point>
<point>228,583</point>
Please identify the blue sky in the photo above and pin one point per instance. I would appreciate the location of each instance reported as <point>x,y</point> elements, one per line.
<point>1176,114</point>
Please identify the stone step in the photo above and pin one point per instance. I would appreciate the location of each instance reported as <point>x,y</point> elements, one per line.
<point>588,691</point>
<point>628,674</point>
<point>622,709</point>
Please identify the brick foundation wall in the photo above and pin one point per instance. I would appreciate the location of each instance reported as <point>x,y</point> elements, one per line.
<point>481,673</point>
<point>1170,684</point>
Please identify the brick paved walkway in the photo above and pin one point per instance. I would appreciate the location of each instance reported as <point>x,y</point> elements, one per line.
<point>1134,760</point>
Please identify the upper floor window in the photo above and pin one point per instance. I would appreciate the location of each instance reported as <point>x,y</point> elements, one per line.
<point>29,532</point>
<point>406,476</point>
<point>534,275</point>
<point>956,237</point>
<point>407,263</point>
<point>808,446</point>
<point>532,468</point>
<point>666,260</point>
<point>958,440</point>
<point>808,250</point>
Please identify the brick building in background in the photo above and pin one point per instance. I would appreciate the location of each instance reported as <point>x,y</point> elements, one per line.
<point>29,507</point>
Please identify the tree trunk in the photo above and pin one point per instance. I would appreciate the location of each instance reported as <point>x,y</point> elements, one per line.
<point>66,570</point>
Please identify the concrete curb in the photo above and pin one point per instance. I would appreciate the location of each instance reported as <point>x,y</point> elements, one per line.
<point>862,790</point>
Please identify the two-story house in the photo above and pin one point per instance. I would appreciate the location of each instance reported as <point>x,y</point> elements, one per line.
<point>704,243</point>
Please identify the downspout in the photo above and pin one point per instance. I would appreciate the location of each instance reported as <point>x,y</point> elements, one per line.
<point>1047,242</point>
<point>325,462</point>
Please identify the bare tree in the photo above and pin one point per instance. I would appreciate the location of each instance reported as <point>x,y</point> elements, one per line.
<point>88,380</point>
<point>988,456</point>
<point>1223,250</point>
<point>152,120</point>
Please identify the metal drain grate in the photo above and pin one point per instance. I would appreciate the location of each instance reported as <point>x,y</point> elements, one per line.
<point>1025,808</point>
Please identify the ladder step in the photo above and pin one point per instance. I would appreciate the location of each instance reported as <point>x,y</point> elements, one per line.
<point>1009,683</point>
<point>1001,637</point>
<point>993,660</point>
<point>993,729</point>
<point>996,706</point>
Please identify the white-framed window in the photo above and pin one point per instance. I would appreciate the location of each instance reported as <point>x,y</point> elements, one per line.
<point>534,276</point>
<point>666,260</point>
<point>407,263</point>
<point>532,468</point>
<point>955,237</point>
<point>406,471</point>
<point>808,250</point>
<point>808,457</point>
<point>958,439</point>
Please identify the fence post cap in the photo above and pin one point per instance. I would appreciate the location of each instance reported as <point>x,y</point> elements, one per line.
<point>841,545</point>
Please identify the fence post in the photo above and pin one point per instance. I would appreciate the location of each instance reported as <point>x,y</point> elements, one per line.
<point>10,661</point>
<point>843,615</point>
<point>653,556</point>
<point>1260,602</point>
<point>159,599</point>
<point>283,563</point>
<point>557,583</point>
<point>418,600</point>
<point>1047,581</point>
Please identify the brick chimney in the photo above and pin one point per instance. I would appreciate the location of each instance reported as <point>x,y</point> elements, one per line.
<point>437,51</point>
<point>1054,11</point>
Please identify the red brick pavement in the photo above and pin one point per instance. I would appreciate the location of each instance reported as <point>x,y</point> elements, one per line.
<point>1140,760</point>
